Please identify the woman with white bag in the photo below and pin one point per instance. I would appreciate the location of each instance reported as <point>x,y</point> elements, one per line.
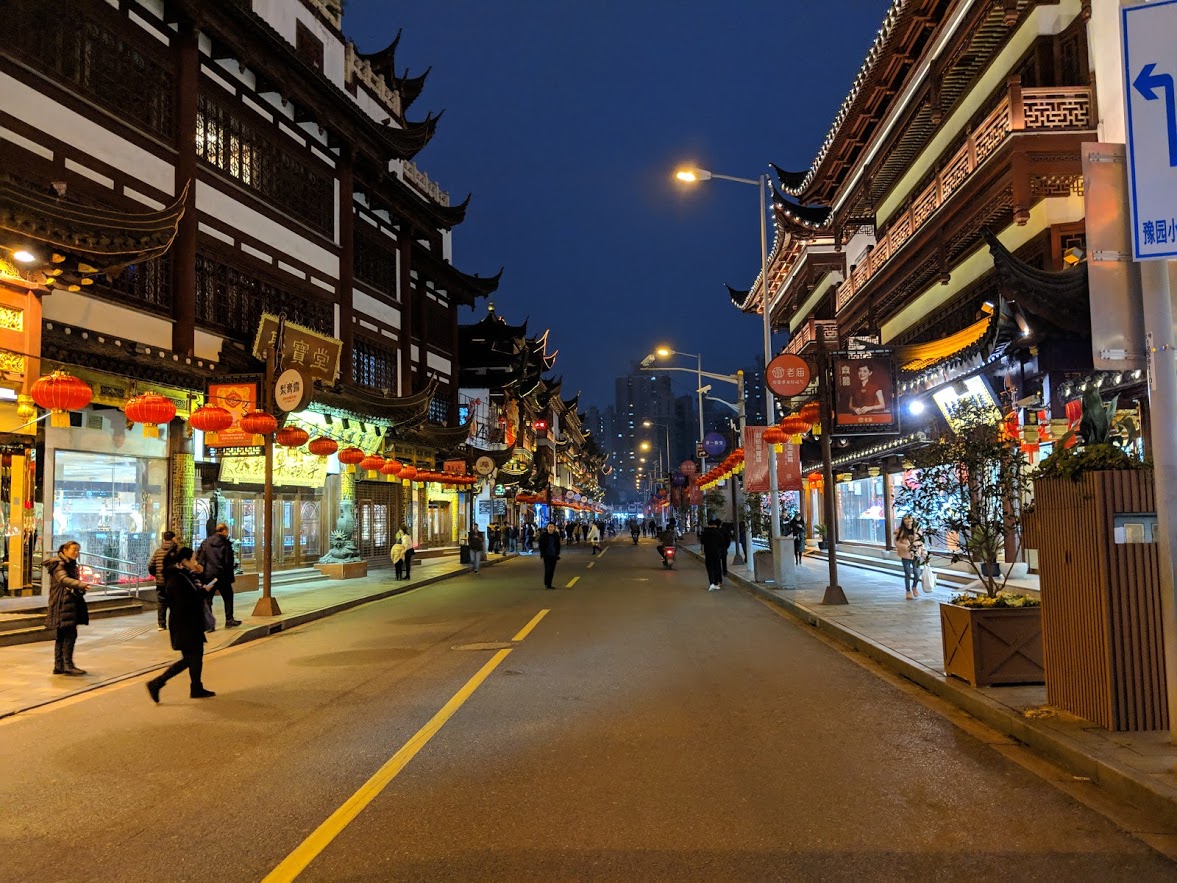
<point>909,544</point>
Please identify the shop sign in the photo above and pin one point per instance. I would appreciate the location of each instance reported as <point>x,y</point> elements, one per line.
<point>484,465</point>
<point>458,467</point>
<point>293,390</point>
<point>238,399</point>
<point>788,375</point>
<point>293,467</point>
<point>788,463</point>
<point>238,451</point>
<point>714,444</point>
<point>500,491</point>
<point>865,394</point>
<point>688,467</point>
<point>484,507</point>
<point>317,354</point>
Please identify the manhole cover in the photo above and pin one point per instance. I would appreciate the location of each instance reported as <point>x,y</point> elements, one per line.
<point>485,645</point>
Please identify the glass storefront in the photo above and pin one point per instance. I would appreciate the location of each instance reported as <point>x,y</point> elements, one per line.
<point>297,519</point>
<point>860,511</point>
<point>114,506</point>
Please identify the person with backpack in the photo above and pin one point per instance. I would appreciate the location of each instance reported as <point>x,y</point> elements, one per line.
<point>155,569</point>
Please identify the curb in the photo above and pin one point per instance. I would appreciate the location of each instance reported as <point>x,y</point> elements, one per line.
<point>1120,781</point>
<point>262,631</point>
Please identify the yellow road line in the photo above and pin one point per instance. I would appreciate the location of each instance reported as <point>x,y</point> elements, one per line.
<point>307,851</point>
<point>604,550</point>
<point>526,630</point>
<point>591,563</point>
<point>572,582</point>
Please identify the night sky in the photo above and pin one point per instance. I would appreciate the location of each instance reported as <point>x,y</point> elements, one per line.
<point>566,121</point>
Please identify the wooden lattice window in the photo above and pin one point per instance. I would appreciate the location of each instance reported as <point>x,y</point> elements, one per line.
<point>227,139</point>
<point>373,365</point>
<point>374,259</point>
<point>84,52</point>
<point>439,410</point>
<point>147,284</point>
<point>231,301</point>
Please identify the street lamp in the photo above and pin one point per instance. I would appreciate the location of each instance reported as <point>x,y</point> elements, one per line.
<point>666,352</point>
<point>650,424</point>
<point>694,175</point>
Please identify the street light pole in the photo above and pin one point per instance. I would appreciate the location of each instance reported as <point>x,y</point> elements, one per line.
<point>774,504</point>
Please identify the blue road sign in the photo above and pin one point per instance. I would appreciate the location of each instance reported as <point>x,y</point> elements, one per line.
<point>1150,64</point>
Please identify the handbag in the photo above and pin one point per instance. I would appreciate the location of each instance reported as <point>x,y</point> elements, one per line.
<point>210,621</point>
<point>928,578</point>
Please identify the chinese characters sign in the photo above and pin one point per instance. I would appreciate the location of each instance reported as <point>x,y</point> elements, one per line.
<point>788,463</point>
<point>314,353</point>
<point>787,375</point>
<point>864,394</point>
<point>238,399</point>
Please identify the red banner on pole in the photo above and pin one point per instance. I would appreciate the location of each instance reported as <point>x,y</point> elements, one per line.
<point>788,463</point>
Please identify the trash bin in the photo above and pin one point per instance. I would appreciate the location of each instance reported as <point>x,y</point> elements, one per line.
<point>463,554</point>
<point>762,566</point>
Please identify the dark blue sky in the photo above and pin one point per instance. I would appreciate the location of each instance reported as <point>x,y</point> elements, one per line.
<point>566,120</point>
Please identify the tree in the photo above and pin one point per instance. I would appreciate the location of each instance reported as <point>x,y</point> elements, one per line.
<point>969,485</point>
<point>755,516</point>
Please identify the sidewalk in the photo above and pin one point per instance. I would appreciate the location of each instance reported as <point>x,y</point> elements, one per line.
<point>112,650</point>
<point>904,636</point>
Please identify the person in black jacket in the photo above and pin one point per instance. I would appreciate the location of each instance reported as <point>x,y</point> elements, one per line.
<point>549,551</point>
<point>216,557</point>
<point>155,568</point>
<point>186,600</point>
<point>714,542</point>
<point>67,606</point>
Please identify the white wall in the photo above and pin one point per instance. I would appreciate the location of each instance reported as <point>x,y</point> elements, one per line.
<point>1103,40</point>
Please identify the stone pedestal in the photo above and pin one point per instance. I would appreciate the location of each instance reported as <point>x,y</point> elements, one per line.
<point>343,569</point>
<point>246,582</point>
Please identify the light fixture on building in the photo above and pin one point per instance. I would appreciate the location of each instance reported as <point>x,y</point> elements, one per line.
<point>916,407</point>
<point>1073,256</point>
<point>24,256</point>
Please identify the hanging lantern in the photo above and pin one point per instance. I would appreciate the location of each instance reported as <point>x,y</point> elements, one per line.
<point>59,393</point>
<point>408,473</point>
<point>323,447</point>
<point>211,420</point>
<point>259,423</point>
<point>292,436</point>
<point>811,413</point>
<point>776,437</point>
<point>372,463</point>
<point>793,426</point>
<point>150,409</point>
<point>393,467</point>
<point>349,457</point>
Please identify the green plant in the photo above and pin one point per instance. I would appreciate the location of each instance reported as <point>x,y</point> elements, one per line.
<point>754,515</point>
<point>968,485</point>
<point>821,530</point>
<point>1001,600</point>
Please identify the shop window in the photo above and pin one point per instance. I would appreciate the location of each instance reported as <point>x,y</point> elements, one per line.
<point>860,511</point>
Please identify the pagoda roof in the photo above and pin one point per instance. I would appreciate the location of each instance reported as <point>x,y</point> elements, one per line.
<point>68,346</point>
<point>1061,298</point>
<point>805,219</point>
<point>570,404</point>
<point>739,297</point>
<point>463,288</point>
<point>383,62</point>
<point>410,88</point>
<point>429,434</point>
<point>493,327</point>
<point>367,404</point>
<point>979,337</point>
<point>83,240</point>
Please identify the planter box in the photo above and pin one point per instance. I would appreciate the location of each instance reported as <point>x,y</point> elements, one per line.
<point>992,645</point>
<point>1101,601</point>
<point>348,570</point>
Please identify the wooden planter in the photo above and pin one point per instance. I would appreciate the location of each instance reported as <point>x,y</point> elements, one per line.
<point>988,646</point>
<point>1101,601</point>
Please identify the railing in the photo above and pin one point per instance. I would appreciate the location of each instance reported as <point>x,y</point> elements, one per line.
<point>811,333</point>
<point>426,185</point>
<point>1045,109</point>
<point>116,573</point>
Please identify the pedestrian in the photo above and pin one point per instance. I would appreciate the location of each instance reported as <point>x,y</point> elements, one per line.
<point>712,540</point>
<point>728,531</point>
<point>494,536</point>
<point>476,542</point>
<point>67,606</point>
<point>525,536</point>
<point>796,527</point>
<point>155,568</point>
<point>406,539</point>
<point>397,552</point>
<point>218,564</point>
<point>594,537</point>
<point>512,538</point>
<point>568,532</point>
<point>187,598</point>
<point>907,537</point>
<point>549,551</point>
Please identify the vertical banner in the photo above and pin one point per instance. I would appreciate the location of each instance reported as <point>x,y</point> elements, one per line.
<point>788,463</point>
<point>864,394</point>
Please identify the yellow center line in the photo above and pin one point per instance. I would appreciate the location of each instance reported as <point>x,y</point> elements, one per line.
<point>591,563</point>
<point>572,582</point>
<point>603,551</point>
<point>526,630</point>
<point>307,851</point>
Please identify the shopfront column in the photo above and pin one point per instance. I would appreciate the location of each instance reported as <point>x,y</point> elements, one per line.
<point>888,512</point>
<point>182,517</point>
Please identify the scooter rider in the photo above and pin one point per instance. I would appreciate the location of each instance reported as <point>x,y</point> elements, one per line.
<point>635,531</point>
<point>668,537</point>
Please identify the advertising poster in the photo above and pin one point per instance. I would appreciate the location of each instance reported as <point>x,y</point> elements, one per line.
<point>864,394</point>
<point>788,464</point>
<point>238,399</point>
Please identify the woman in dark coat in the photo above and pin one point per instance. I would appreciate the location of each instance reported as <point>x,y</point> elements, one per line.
<point>549,551</point>
<point>186,600</point>
<point>67,606</point>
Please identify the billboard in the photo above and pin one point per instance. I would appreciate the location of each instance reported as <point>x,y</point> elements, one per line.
<point>864,394</point>
<point>788,463</point>
<point>238,399</point>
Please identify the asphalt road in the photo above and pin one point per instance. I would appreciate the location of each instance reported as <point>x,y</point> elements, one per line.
<point>645,729</point>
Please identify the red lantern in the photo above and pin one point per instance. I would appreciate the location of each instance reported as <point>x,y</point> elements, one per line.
<point>150,409</point>
<point>349,457</point>
<point>292,437</point>
<point>793,426</point>
<point>393,467</point>
<point>58,393</point>
<point>372,462</point>
<point>259,423</point>
<point>210,419</point>
<point>776,437</point>
<point>408,473</point>
<point>323,447</point>
<point>810,413</point>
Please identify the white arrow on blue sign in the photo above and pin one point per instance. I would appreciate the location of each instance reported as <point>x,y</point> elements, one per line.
<point>1150,64</point>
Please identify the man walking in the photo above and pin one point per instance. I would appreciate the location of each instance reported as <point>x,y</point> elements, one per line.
<point>216,559</point>
<point>477,543</point>
<point>713,540</point>
<point>549,551</point>
<point>155,568</point>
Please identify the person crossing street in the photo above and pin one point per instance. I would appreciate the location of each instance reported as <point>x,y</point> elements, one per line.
<point>549,551</point>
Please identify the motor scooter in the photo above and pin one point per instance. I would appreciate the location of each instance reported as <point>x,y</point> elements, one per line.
<point>635,537</point>
<point>668,557</point>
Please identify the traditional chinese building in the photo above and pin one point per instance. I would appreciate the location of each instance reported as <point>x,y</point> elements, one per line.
<point>282,159</point>
<point>946,195</point>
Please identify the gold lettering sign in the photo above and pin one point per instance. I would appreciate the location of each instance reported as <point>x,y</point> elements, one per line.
<point>316,354</point>
<point>293,467</point>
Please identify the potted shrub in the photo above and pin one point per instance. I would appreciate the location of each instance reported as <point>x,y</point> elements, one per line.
<point>969,485</point>
<point>821,536</point>
<point>1094,508</point>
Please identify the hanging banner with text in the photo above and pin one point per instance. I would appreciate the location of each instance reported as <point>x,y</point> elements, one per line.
<point>788,463</point>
